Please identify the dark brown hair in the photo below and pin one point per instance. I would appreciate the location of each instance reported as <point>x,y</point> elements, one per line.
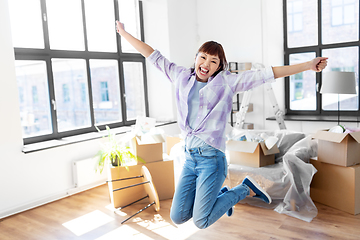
<point>214,48</point>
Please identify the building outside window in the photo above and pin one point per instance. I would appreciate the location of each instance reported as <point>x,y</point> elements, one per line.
<point>35,94</point>
<point>330,28</point>
<point>295,16</point>
<point>75,72</point>
<point>342,12</point>
<point>83,92</point>
<point>66,93</point>
<point>104,92</point>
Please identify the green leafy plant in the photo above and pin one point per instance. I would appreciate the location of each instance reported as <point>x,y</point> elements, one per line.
<point>115,153</point>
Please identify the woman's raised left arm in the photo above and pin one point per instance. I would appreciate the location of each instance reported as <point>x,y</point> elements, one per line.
<point>317,65</point>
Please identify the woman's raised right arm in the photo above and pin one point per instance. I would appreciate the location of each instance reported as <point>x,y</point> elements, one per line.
<point>140,46</point>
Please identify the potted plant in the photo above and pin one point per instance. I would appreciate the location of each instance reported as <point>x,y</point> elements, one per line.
<point>116,153</point>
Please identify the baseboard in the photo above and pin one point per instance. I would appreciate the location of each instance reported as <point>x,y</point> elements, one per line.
<point>49,199</point>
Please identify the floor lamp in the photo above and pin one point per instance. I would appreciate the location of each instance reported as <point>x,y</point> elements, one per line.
<point>338,83</point>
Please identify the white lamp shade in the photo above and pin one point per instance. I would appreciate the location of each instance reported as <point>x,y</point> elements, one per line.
<point>338,82</point>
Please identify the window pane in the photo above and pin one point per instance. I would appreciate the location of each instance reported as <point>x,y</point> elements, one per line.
<point>134,90</point>
<point>100,25</point>
<point>349,16</point>
<point>337,17</point>
<point>290,26</point>
<point>27,34</point>
<point>298,23</point>
<point>33,97</point>
<point>336,2</point>
<point>302,85</point>
<point>129,15</point>
<point>69,80</point>
<point>346,60</point>
<point>340,17</point>
<point>65,24</point>
<point>106,90</point>
<point>302,23</point>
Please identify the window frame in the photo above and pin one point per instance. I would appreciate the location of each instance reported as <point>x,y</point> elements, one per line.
<point>47,54</point>
<point>317,49</point>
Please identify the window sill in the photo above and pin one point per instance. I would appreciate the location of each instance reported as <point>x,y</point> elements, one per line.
<point>312,118</point>
<point>34,147</point>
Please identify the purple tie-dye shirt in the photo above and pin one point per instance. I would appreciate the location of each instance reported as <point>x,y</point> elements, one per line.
<point>215,98</point>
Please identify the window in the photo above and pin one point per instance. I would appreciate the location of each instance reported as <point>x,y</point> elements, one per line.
<point>75,72</point>
<point>104,92</point>
<point>301,23</point>
<point>295,16</point>
<point>21,94</point>
<point>336,26</point>
<point>133,73</point>
<point>66,94</point>
<point>35,94</point>
<point>342,12</point>
<point>107,100</point>
<point>83,92</point>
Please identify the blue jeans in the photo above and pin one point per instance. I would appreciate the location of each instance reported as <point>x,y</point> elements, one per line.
<point>197,194</point>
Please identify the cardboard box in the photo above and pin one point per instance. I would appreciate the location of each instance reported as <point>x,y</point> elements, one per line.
<point>248,126</point>
<point>162,174</point>
<point>336,186</point>
<point>341,149</point>
<point>251,154</point>
<point>149,148</point>
<point>170,142</point>
<point>126,196</point>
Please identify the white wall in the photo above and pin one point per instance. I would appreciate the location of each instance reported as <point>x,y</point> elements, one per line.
<point>170,27</point>
<point>273,48</point>
<point>157,83</point>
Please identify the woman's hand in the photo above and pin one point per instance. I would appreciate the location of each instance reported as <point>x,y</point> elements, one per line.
<point>120,27</point>
<point>318,64</point>
<point>140,46</point>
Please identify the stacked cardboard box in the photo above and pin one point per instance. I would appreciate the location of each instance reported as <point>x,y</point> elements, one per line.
<point>123,197</point>
<point>162,173</point>
<point>150,149</point>
<point>336,186</point>
<point>170,142</point>
<point>341,149</point>
<point>337,182</point>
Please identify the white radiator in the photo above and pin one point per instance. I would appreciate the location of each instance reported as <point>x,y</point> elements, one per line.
<point>84,174</point>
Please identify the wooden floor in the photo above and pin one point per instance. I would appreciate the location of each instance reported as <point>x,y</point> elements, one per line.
<point>89,215</point>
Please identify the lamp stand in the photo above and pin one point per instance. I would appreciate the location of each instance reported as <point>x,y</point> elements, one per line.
<point>338,109</point>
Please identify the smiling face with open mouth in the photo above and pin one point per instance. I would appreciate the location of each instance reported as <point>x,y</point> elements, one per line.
<point>205,66</point>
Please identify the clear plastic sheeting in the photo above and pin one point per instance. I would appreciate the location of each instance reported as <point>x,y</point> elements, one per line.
<point>297,202</point>
<point>287,181</point>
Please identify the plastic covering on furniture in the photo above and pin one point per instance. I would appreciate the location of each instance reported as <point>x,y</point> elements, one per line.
<point>287,181</point>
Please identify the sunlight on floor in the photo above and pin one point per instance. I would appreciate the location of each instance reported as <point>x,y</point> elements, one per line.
<point>119,212</point>
<point>87,222</point>
<point>124,232</point>
<point>167,230</point>
<point>158,226</point>
<point>137,228</point>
